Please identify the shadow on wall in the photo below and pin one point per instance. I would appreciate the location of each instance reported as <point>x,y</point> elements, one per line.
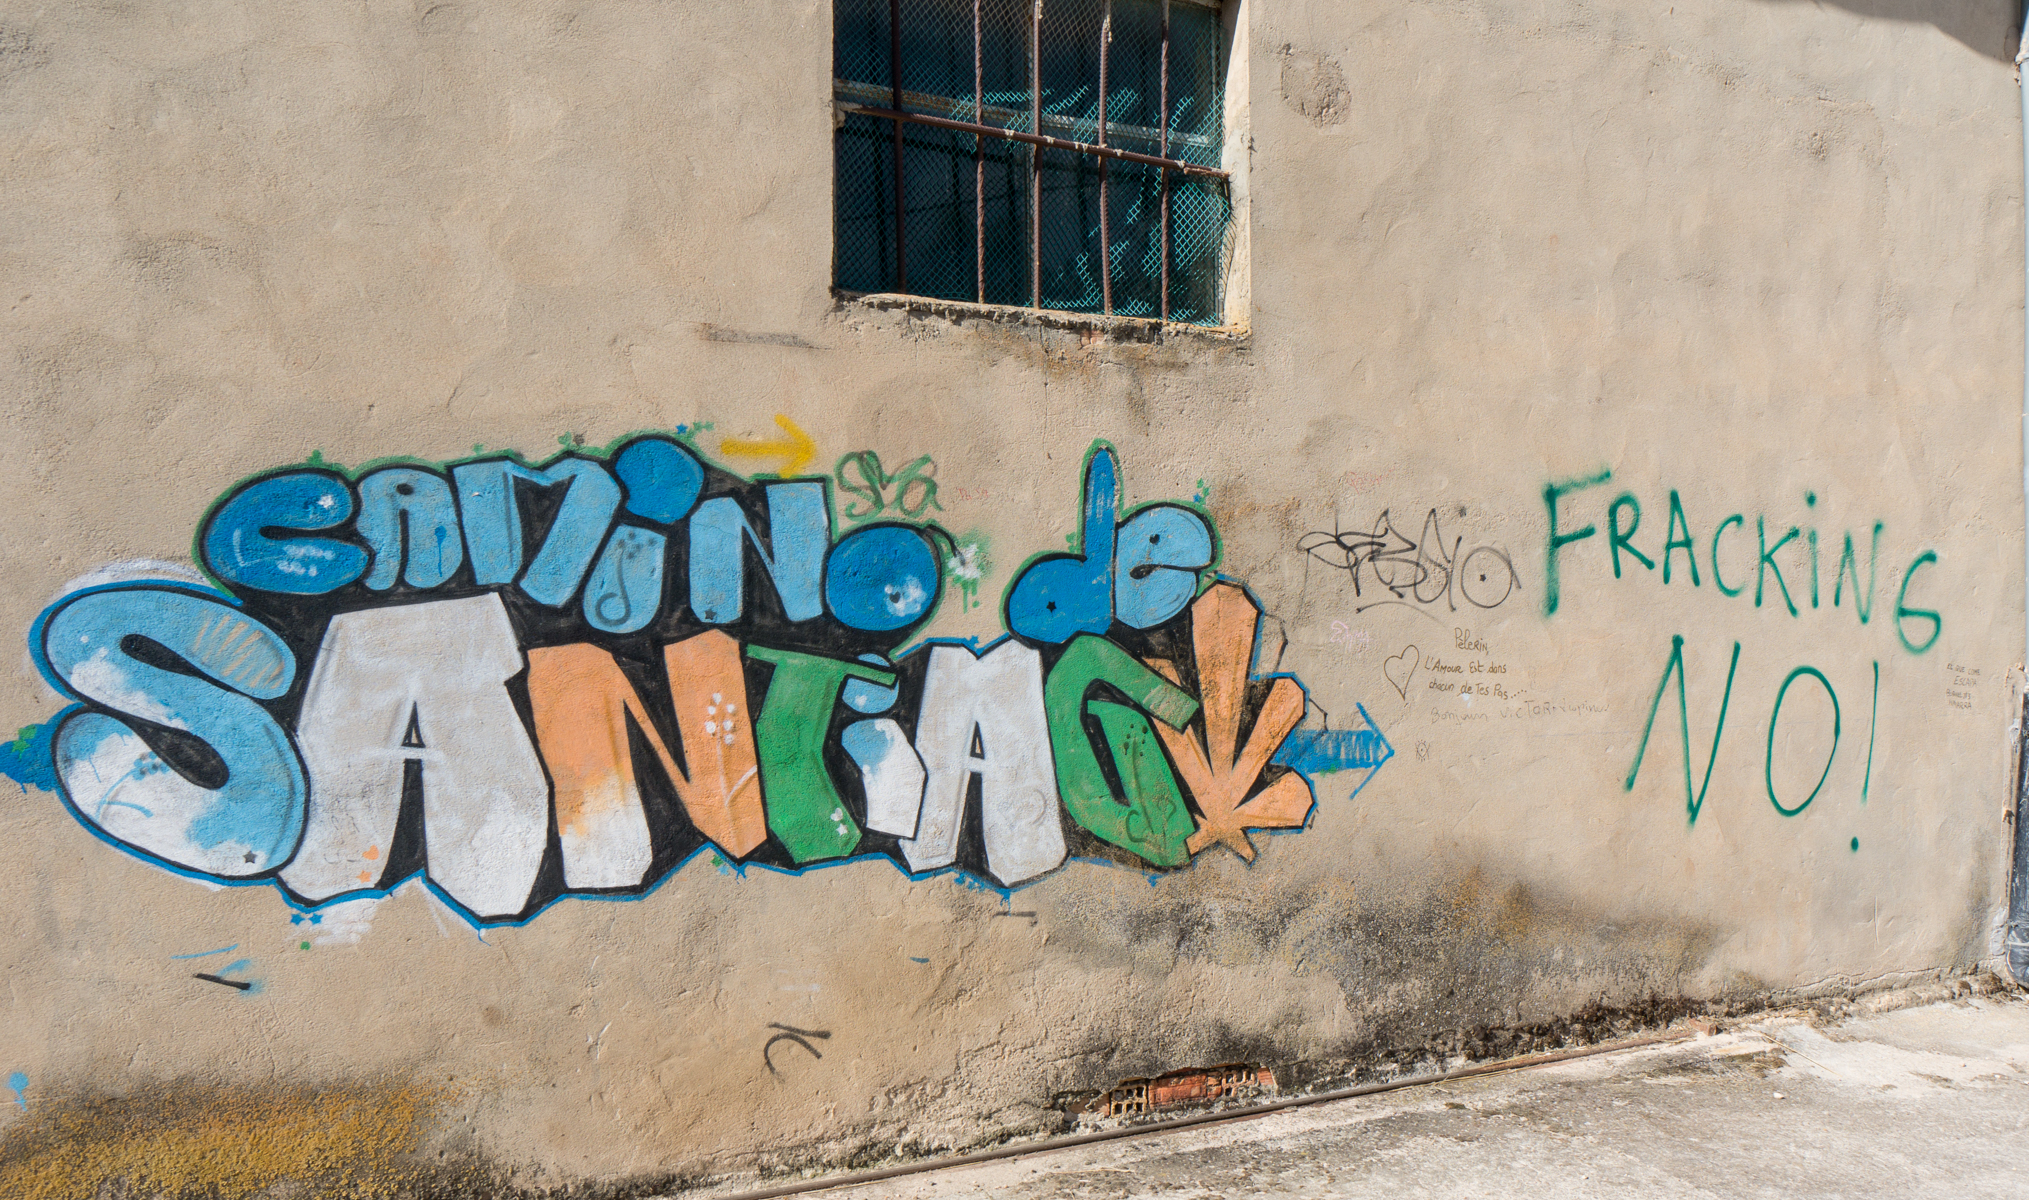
<point>1991,27</point>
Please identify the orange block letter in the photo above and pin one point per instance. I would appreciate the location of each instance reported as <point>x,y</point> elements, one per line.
<point>581,699</point>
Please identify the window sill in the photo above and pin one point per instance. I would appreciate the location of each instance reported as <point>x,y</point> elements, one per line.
<point>1093,326</point>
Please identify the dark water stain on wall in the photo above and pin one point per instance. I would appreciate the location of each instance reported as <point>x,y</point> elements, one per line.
<point>1464,967</point>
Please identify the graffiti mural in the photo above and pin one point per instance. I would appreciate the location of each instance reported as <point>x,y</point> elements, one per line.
<point>521,681</point>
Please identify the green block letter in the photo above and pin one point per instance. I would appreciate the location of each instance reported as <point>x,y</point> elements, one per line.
<point>1152,821</point>
<point>805,812</point>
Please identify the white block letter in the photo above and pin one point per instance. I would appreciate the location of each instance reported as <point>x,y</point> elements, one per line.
<point>995,703</point>
<point>424,682</point>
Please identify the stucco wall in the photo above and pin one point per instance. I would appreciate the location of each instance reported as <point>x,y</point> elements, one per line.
<point>1754,260</point>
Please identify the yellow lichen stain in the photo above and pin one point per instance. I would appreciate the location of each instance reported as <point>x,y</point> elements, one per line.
<point>1512,916</point>
<point>1515,919</point>
<point>223,1143</point>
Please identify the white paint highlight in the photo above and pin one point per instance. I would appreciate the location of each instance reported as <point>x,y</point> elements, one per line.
<point>124,788</point>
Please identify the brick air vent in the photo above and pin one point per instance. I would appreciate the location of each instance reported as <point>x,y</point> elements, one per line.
<point>1197,1085</point>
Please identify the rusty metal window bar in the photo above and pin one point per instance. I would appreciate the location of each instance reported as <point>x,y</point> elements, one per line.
<point>1060,154</point>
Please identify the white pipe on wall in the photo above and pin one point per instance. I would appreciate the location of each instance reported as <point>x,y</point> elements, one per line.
<point>2018,889</point>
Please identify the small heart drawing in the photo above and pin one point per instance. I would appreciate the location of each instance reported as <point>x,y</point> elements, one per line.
<point>1404,665</point>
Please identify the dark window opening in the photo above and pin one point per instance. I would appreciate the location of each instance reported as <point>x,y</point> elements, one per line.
<point>1060,154</point>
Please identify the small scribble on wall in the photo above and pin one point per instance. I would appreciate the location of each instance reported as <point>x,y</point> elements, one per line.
<point>795,1037</point>
<point>1423,573</point>
<point>910,492</point>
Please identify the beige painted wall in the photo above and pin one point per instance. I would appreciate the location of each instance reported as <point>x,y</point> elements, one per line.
<point>1749,252</point>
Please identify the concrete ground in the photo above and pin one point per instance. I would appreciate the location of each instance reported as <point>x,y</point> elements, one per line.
<point>1924,1101</point>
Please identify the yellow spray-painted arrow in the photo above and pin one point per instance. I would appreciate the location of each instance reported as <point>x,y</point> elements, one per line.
<point>797,446</point>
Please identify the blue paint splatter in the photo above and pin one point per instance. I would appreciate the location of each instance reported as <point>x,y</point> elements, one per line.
<point>209,953</point>
<point>19,1082</point>
<point>27,759</point>
<point>1322,751</point>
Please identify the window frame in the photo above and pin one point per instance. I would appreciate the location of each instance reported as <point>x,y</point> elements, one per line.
<point>850,97</point>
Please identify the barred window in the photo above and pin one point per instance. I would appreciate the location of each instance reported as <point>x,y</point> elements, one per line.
<point>1060,154</point>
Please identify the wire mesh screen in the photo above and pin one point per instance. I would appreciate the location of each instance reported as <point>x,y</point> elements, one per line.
<point>1032,159</point>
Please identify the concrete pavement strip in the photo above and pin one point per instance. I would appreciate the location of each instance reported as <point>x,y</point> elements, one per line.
<point>1922,1101</point>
